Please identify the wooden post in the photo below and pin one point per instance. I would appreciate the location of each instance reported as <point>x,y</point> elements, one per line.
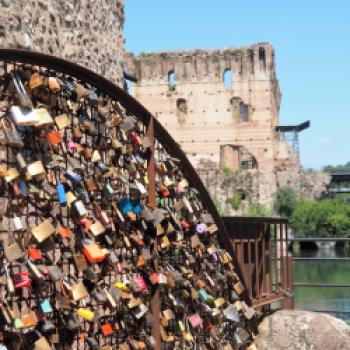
<point>155,303</point>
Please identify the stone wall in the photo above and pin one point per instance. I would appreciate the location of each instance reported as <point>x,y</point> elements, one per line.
<point>83,31</point>
<point>215,119</point>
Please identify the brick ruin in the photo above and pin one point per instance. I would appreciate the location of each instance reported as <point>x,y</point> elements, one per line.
<point>86,32</point>
<point>222,106</point>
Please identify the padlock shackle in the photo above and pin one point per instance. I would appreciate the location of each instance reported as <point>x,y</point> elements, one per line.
<point>15,82</point>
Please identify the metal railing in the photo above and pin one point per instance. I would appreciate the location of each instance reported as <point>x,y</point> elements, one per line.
<point>261,249</point>
<point>321,285</point>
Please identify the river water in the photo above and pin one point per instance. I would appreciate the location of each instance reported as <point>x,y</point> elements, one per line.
<point>334,300</point>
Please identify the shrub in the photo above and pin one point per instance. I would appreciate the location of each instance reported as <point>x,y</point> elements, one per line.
<point>258,209</point>
<point>235,201</point>
<point>285,201</point>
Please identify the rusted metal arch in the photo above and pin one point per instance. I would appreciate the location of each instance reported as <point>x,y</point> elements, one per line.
<point>140,112</point>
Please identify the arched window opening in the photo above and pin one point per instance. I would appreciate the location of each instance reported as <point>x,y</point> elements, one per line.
<point>262,58</point>
<point>181,105</point>
<point>244,113</point>
<point>171,81</point>
<point>128,86</point>
<point>181,109</point>
<point>228,78</point>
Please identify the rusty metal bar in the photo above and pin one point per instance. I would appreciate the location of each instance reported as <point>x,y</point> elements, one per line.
<point>155,302</point>
<point>251,236</point>
<point>281,270</point>
<point>319,239</point>
<point>263,259</point>
<point>321,259</point>
<point>321,285</point>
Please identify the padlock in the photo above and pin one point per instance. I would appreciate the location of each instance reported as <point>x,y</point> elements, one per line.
<point>43,231</point>
<point>13,138</point>
<point>22,280</point>
<point>53,84</point>
<point>35,81</point>
<point>20,161</point>
<point>107,329</point>
<point>86,314</point>
<point>22,96</point>
<point>34,270</point>
<point>61,194</point>
<point>24,117</point>
<point>80,208</point>
<point>45,306</point>
<point>54,138</point>
<point>13,251</point>
<point>77,290</point>
<point>62,121</point>
<point>93,252</point>
<point>9,281</point>
<point>34,253</point>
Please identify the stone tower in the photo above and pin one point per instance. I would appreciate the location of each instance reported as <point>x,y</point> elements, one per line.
<point>83,31</point>
<point>221,106</point>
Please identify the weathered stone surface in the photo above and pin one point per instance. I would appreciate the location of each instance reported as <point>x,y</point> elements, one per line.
<point>302,330</point>
<point>86,32</point>
<point>222,124</point>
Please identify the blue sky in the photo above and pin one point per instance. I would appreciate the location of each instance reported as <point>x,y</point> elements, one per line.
<point>312,44</point>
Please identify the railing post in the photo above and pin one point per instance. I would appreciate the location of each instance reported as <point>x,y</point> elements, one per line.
<point>155,303</point>
<point>288,302</point>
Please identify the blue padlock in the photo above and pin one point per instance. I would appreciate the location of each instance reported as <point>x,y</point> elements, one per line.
<point>22,187</point>
<point>125,205</point>
<point>203,295</point>
<point>136,206</point>
<point>61,193</point>
<point>102,166</point>
<point>46,306</point>
<point>108,190</point>
<point>72,176</point>
<point>82,194</point>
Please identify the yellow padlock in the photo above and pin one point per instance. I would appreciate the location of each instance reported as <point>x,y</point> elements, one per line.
<point>121,286</point>
<point>86,314</point>
<point>181,326</point>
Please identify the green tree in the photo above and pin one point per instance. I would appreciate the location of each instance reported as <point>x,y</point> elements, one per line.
<point>337,168</point>
<point>227,171</point>
<point>235,201</point>
<point>302,219</point>
<point>285,201</point>
<point>258,209</point>
<point>323,218</point>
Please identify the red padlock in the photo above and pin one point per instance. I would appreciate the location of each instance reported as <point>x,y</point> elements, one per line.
<point>22,280</point>
<point>86,223</point>
<point>135,138</point>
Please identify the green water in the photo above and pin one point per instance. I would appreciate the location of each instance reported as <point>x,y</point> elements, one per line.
<point>332,299</point>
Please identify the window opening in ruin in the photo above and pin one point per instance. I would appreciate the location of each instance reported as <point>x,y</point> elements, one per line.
<point>244,165</point>
<point>228,78</point>
<point>181,109</point>
<point>171,81</point>
<point>187,70</point>
<point>251,61</point>
<point>262,58</point>
<point>128,86</point>
<point>243,111</point>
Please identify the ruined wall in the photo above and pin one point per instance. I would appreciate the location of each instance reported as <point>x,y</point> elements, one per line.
<point>187,92</point>
<point>83,31</point>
